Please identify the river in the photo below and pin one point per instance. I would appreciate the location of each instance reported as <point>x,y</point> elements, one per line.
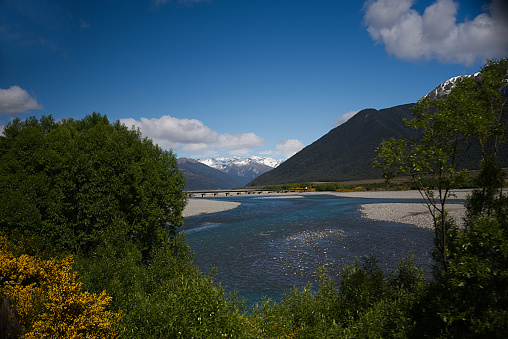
<point>266,246</point>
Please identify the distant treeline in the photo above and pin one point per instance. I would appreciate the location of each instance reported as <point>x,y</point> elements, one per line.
<point>470,182</point>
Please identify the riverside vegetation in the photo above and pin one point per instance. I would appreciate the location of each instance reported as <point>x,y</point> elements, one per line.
<point>89,246</point>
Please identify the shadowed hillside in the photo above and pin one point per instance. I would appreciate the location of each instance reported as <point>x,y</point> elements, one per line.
<point>348,151</point>
<point>344,153</point>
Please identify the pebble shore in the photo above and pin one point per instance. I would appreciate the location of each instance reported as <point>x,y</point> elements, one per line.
<point>408,213</point>
<point>205,206</point>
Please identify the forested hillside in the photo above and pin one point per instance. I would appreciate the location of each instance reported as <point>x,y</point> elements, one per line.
<point>344,153</point>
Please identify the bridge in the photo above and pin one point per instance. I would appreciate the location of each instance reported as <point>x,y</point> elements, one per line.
<point>241,191</point>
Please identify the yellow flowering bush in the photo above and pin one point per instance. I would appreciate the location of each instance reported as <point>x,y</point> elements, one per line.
<point>46,301</point>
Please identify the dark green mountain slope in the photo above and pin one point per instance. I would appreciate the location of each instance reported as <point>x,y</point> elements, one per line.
<point>347,151</point>
<point>344,153</point>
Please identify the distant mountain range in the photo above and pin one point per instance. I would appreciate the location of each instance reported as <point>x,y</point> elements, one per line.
<point>248,168</point>
<point>345,153</point>
<point>224,173</point>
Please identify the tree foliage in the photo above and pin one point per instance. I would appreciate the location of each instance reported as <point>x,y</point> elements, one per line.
<point>468,297</point>
<point>473,112</point>
<point>70,183</point>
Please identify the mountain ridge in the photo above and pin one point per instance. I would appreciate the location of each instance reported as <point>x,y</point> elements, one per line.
<point>337,157</point>
<point>224,173</point>
<point>344,153</point>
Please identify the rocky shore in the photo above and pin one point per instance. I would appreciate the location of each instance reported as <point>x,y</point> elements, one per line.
<point>408,213</point>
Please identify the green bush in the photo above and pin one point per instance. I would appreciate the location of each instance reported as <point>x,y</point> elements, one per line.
<point>365,303</point>
<point>66,183</point>
<point>169,298</point>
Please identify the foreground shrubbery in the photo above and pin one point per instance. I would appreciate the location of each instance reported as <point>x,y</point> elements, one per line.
<point>41,298</point>
<point>362,303</point>
<point>170,298</point>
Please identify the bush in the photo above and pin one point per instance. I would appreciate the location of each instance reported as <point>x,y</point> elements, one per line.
<point>41,298</point>
<point>169,298</point>
<point>366,303</point>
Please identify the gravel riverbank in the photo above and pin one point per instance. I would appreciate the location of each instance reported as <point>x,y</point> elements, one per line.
<point>408,213</point>
<point>204,206</point>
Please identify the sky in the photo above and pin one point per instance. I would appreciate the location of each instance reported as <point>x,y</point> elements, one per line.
<point>220,78</point>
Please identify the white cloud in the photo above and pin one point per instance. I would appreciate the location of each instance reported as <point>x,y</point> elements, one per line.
<point>344,117</point>
<point>436,34</point>
<point>290,147</point>
<point>242,152</point>
<point>16,100</point>
<point>190,134</point>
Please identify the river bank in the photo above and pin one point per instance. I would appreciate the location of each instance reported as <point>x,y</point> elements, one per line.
<point>408,213</point>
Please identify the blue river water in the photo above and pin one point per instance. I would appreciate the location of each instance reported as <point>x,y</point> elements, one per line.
<point>266,246</point>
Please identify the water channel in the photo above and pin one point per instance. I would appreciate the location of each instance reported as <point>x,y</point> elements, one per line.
<point>266,246</point>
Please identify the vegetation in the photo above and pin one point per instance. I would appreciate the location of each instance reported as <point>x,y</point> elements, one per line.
<point>334,187</point>
<point>468,297</point>
<point>41,298</point>
<point>68,184</point>
<point>93,201</point>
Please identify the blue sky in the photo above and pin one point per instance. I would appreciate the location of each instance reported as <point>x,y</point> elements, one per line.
<point>236,77</point>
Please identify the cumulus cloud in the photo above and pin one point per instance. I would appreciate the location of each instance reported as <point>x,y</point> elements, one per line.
<point>190,134</point>
<point>290,147</point>
<point>243,152</point>
<point>267,152</point>
<point>16,100</point>
<point>344,117</point>
<point>435,34</point>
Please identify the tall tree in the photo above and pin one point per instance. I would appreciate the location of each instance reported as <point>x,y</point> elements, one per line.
<point>76,183</point>
<point>473,112</point>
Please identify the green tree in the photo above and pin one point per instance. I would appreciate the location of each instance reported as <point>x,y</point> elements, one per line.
<point>473,112</point>
<point>70,183</point>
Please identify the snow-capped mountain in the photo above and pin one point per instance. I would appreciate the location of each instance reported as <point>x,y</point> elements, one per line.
<point>444,88</point>
<point>224,163</point>
<point>224,173</point>
<point>249,168</point>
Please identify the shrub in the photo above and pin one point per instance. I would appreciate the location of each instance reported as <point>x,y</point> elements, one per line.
<point>41,298</point>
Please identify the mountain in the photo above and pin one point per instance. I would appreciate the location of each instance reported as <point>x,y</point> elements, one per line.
<point>223,173</point>
<point>347,151</point>
<point>344,153</point>
<point>202,177</point>
<point>248,168</point>
<point>444,88</point>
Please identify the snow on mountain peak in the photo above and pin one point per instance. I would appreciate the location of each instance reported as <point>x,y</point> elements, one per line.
<point>222,163</point>
<point>444,88</point>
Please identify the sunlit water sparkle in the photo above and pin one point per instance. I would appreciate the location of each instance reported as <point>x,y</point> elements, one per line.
<point>264,247</point>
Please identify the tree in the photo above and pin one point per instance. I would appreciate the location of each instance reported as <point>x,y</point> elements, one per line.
<point>468,297</point>
<point>70,183</point>
<point>473,112</point>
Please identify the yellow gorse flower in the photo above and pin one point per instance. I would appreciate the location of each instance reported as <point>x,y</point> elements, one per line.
<point>47,302</point>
